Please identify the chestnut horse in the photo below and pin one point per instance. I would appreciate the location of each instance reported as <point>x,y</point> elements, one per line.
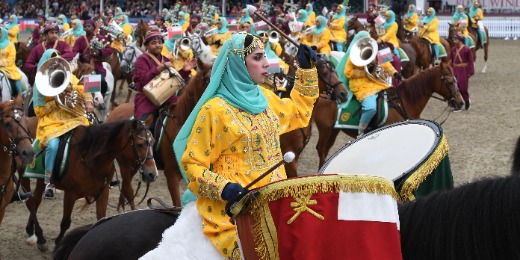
<point>330,86</point>
<point>140,32</point>
<point>473,34</point>
<point>14,141</point>
<point>406,101</point>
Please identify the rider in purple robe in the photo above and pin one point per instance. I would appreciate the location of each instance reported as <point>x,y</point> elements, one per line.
<point>51,42</point>
<point>463,66</point>
<point>147,66</point>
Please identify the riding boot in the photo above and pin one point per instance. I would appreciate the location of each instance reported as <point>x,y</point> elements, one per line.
<point>361,130</point>
<point>21,196</point>
<point>49,189</point>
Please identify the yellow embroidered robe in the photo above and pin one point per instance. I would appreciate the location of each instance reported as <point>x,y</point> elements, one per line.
<point>215,48</point>
<point>321,41</point>
<point>429,31</point>
<point>479,16</point>
<point>360,84</point>
<point>411,23</point>
<point>231,145</point>
<point>7,62</point>
<point>391,35</point>
<point>178,62</point>
<point>12,34</point>
<point>54,121</point>
<point>337,29</point>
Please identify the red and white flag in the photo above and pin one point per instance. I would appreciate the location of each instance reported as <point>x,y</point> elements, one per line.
<point>384,55</point>
<point>92,83</point>
<point>175,32</point>
<point>261,26</point>
<point>380,20</point>
<point>274,65</point>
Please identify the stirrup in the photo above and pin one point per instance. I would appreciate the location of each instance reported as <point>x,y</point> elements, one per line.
<point>21,196</point>
<point>49,191</point>
<point>437,62</point>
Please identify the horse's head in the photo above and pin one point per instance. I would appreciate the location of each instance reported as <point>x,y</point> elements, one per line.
<point>329,81</point>
<point>141,154</point>
<point>452,30</point>
<point>128,58</point>
<point>353,23</point>
<point>14,133</point>
<point>290,48</point>
<point>201,50</point>
<point>448,87</point>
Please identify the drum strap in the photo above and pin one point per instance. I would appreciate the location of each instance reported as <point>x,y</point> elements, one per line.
<point>154,58</point>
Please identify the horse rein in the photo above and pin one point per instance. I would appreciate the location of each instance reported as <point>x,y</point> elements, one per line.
<point>148,156</point>
<point>452,98</point>
<point>18,115</point>
<point>330,86</point>
<point>129,60</point>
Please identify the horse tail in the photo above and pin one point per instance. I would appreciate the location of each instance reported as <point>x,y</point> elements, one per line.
<point>69,241</point>
<point>515,170</point>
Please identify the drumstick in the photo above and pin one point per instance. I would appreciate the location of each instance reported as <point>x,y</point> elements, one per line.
<point>287,158</point>
<point>252,9</point>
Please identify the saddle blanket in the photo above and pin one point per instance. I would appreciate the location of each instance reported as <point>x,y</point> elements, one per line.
<point>469,42</point>
<point>36,169</point>
<point>185,240</point>
<point>349,115</point>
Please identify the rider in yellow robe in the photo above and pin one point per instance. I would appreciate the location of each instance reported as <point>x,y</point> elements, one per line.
<point>62,21</point>
<point>428,31</point>
<point>183,21</point>
<point>337,28</point>
<point>462,27</point>
<point>411,19</point>
<point>311,15</point>
<point>217,40</point>
<point>320,37</point>
<point>7,63</point>
<point>476,15</point>
<point>13,29</point>
<point>390,27</point>
<point>177,56</point>
<point>77,31</point>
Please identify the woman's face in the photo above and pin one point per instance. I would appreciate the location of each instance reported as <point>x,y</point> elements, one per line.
<point>219,24</point>
<point>163,13</point>
<point>461,10</point>
<point>11,19</point>
<point>247,27</point>
<point>410,8</point>
<point>317,23</point>
<point>120,20</point>
<point>299,15</point>
<point>429,13</point>
<point>257,65</point>
<point>74,25</point>
<point>243,13</point>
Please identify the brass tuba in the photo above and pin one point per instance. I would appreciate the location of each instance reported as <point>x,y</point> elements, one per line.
<point>54,80</point>
<point>185,43</point>
<point>364,54</point>
<point>274,37</point>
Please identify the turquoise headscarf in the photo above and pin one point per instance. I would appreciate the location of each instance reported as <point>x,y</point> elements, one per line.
<point>323,23</point>
<point>64,18</point>
<point>248,18</point>
<point>38,98</point>
<point>269,53</point>
<point>224,28</point>
<point>390,20</point>
<point>472,10</point>
<point>4,41</point>
<point>343,63</point>
<point>342,13</point>
<point>79,30</point>
<point>167,16</point>
<point>430,17</point>
<point>183,20</point>
<point>410,13</point>
<point>229,80</point>
<point>456,15</point>
<point>310,8</point>
<point>304,17</point>
<point>15,22</point>
<point>118,13</point>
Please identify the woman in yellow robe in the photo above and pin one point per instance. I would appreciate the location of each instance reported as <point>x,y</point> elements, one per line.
<point>183,21</point>
<point>337,28</point>
<point>63,23</point>
<point>476,15</point>
<point>54,121</point>
<point>320,37</point>
<point>77,31</point>
<point>461,21</point>
<point>411,18</point>
<point>13,29</point>
<point>390,27</point>
<point>217,40</point>
<point>232,136</point>
<point>428,31</point>
<point>311,15</point>
<point>8,66</point>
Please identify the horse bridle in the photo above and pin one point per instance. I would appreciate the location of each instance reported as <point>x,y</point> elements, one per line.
<point>129,61</point>
<point>452,99</point>
<point>149,142</point>
<point>330,86</point>
<point>13,143</point>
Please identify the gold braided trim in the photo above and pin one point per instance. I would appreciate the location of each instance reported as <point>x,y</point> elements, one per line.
<point>413,182</point>
<point>264,229</point>
<point>306,82</point>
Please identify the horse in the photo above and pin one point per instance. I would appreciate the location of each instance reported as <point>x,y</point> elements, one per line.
<point>473,34</point>
<point>201,50</point>
<point>140,32</point>
<point>422,48</point>
<point>22,52</point>
<point>176,115</point>
<point>123,69</point>
<point>406,101</point>
<point>14,142</point>
<point>92,150</point>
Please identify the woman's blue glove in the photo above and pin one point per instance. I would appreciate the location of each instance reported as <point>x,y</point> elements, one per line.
<point>306,56</point>
<point>232,191</point>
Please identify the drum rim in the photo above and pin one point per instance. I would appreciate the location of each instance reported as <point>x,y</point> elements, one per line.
<point>437,129</point>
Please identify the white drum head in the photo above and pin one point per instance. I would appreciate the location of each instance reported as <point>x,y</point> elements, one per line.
<point>391,152</point>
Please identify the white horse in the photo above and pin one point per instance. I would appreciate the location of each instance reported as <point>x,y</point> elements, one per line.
<point>129,57</point>
<point>201,50</point>
<point>6,88</point>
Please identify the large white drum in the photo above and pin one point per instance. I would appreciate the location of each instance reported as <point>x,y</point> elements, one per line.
<point>407,153</point>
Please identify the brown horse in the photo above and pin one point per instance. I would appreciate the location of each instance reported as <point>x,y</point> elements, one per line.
<point>90,168</point>
<point>473,34</point>
<point>424,52</point>
<point>140,32</point>
<point>119,74</point>
<point>14,141</point>
<point>408,68</point>
<point>406,101</point>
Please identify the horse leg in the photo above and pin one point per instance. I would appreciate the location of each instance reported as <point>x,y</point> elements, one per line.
<point>69,200</point>
<point>486,46</point>
<point>127,192</point>
<point>129,93</point>
<point>173,178</point>
<point>33,227</point>
<point>102,201</point>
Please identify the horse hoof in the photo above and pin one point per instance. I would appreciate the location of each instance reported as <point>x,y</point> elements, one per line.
<point>43,247</point>
<point>31,240</point>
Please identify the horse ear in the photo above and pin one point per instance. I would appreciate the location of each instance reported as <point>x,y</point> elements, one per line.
<point>356,17</point>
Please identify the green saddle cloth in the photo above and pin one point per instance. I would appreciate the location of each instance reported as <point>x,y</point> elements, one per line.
<point>402,55</point>
<point>442,51</point>
<point>350,114</point>
<point>36,169</point>
<point>469,42</point>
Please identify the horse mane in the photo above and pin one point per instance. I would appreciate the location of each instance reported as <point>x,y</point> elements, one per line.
<point>416,87</point>
<point>98,140</point>
<point>189,97</point>
<point>69,241</point>
<point>478,220</point>
<point>515,169</point>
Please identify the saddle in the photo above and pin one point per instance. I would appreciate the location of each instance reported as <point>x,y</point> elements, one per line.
<point>348,117</point>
